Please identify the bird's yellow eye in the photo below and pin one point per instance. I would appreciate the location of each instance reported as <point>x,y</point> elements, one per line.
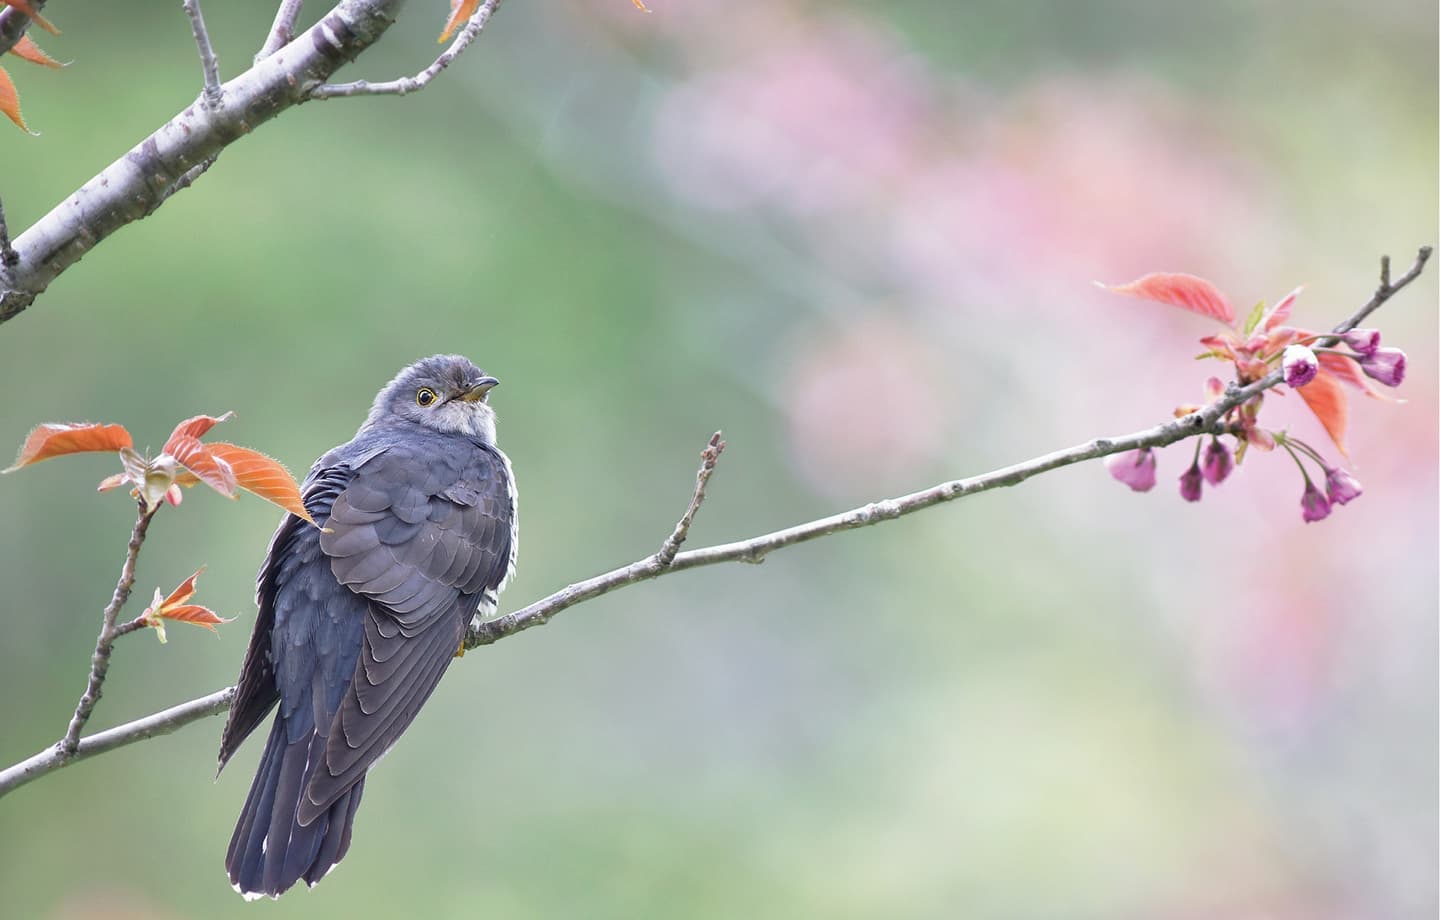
<point>425,397</point>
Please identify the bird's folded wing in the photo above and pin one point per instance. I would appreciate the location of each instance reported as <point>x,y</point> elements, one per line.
<point>294,546</point>
<point>394,678</point>
<point>415,529</point>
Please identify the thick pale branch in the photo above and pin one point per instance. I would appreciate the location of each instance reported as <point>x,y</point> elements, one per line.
<point>132,186</point>
<point>755,549</point>
<point>209,66</point>
<point>404,85</point>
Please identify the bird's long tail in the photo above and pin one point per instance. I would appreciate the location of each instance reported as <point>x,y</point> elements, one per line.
<point>271,850</point>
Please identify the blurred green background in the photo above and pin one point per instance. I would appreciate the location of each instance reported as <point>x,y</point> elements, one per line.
<point>859,238</point>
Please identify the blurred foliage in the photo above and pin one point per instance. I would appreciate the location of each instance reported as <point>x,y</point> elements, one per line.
<point>856,237</point>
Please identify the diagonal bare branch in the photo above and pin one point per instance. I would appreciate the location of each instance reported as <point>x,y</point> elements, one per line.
<point>752,550</point>
<point>152,726</point>
<point>133,185</point>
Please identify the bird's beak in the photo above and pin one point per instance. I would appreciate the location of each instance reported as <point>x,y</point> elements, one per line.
<point>478,389</point>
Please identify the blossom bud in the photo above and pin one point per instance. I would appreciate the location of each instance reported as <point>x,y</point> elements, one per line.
<point>1386,365</point>
<point>1300,365</point>
<point>1342,487</point>
<point>1364,341</point>
<point>1136,468</point>
<point>1218,462</point>
<point>1190,483</point>
<point>1316,507</point>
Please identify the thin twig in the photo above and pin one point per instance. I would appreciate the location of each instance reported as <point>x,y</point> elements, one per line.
<point>708,457</point>
<point>8,255</point>
<point>754,549</point>
<point>405,85</point>
<point>281,31</point>
<point>100,660</point>
<point>208,64</point>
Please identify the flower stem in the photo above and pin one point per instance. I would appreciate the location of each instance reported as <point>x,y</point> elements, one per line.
<point>1285,443</point>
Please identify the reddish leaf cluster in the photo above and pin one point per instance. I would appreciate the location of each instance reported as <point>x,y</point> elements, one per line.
<point>1255,348</point>
<point>184,461</point>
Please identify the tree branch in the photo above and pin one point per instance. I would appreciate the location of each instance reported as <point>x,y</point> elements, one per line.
<point>137,183</point>
<point>208,65</point>
<point>755,549</point>
<point>151,726</point>
<point>281,31</point>
<point>100,660</point>
<point>404,85</point>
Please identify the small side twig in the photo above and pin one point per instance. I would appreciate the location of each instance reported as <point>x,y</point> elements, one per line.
<point>208,64</point>
<point>184,181</point>
<point>100,660</point>
<point>404,85</point>
<point>708,458</point>
<point>8,256</point>
<point>281,31</point>
<point>1382,293</point>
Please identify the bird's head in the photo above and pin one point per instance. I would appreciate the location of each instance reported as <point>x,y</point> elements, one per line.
<point>443,392</point>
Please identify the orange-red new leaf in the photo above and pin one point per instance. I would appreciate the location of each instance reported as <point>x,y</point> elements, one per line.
<point>195,427</point>
<point>52,440</point>
<point>193,614</point>
<point>186,590</point>
<point>263,476</point>
<point>198,459</point>
<point>27,49</point>
<point>460,10</point>
<point>10,101</point>
<point>1326,398</point>
<point>1181,290</point>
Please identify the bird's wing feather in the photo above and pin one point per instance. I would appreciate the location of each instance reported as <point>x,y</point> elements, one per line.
<point>420,533</point>
<point>417,528</point>
<point>294,546</point>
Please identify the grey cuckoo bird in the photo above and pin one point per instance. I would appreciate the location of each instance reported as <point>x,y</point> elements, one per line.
<point>358,621</point>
